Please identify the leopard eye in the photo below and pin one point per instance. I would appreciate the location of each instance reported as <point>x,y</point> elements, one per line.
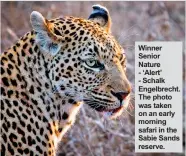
<point>91,63</point>
<point>94,64</point>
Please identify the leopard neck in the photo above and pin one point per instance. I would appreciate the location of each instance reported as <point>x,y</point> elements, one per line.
<point>34,67</point>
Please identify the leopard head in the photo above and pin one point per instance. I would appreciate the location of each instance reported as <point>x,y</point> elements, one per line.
<point>87,63</point>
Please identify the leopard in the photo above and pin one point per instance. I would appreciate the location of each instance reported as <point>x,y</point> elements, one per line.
<point>53,71</point>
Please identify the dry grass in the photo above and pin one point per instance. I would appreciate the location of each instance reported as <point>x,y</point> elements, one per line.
<point>132,21</point>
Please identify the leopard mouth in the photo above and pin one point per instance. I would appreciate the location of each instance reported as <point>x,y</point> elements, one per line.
<point>115,112</point>
<point>111,112</point>
<point>102,109</point>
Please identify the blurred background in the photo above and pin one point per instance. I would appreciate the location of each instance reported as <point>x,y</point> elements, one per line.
<point>132,21</point>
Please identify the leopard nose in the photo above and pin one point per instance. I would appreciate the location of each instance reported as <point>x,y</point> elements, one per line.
<point>120,95</point>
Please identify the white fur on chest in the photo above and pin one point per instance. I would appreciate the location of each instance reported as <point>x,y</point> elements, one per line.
<point>72,111</point>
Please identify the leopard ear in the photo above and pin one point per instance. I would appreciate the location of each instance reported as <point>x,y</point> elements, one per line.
<point>45,38</point>
<point>101,16</point>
